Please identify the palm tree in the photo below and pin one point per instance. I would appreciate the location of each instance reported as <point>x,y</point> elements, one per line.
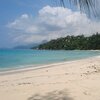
<point>87,6</point>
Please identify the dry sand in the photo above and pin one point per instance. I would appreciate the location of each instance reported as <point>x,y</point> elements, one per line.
<point>74,80</point>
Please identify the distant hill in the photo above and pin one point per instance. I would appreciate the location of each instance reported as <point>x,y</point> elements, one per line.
<point>29,46</point>
<point>79,42</point>
<point>26,46</point>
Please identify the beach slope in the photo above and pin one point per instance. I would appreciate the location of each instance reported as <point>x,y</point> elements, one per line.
<point>73,80</point>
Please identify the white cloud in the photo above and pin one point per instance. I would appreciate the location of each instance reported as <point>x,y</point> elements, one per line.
<point>51,23</point>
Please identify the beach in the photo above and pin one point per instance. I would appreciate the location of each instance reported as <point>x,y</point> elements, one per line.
<point>72,80</point>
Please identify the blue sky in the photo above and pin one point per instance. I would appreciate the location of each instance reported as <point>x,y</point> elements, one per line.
<point>30,21</point>
<point>11,9</point>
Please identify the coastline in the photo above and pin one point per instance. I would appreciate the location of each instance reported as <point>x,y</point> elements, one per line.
<point>72,80</point>
<point>30,67</point>
<point>31,58</point>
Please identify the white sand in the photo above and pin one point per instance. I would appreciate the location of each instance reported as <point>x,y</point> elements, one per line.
<point>76,80</point>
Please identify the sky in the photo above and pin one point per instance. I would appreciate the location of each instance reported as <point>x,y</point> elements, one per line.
<point>32,21</point>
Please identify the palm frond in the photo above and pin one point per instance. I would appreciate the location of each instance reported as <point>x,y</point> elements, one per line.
<point>87,6</point>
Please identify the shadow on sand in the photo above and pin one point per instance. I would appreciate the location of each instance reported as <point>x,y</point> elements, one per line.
<point>55,95</point>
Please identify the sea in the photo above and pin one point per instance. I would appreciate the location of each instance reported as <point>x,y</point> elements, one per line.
<point>16,59</point>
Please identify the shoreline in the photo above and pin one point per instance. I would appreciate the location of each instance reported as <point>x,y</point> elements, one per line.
<point>9,66</point>
<point>30,67</point>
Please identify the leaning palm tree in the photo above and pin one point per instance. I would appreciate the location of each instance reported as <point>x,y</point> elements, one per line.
<point>87,6</point>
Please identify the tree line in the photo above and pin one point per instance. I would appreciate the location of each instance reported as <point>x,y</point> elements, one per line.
<point>79,42</point>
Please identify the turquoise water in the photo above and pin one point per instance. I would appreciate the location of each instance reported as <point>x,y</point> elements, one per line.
<point>22,58</point>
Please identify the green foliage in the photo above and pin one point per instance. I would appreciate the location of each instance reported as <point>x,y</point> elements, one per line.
<point>79,42</point>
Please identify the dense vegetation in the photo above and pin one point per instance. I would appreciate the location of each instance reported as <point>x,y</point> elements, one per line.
<point>79,42</point>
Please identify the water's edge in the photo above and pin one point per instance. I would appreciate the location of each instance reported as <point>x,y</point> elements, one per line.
<point>20,59</point>
<point>24,69</point>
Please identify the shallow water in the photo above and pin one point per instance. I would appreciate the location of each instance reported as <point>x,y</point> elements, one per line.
<point>22,58</point>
